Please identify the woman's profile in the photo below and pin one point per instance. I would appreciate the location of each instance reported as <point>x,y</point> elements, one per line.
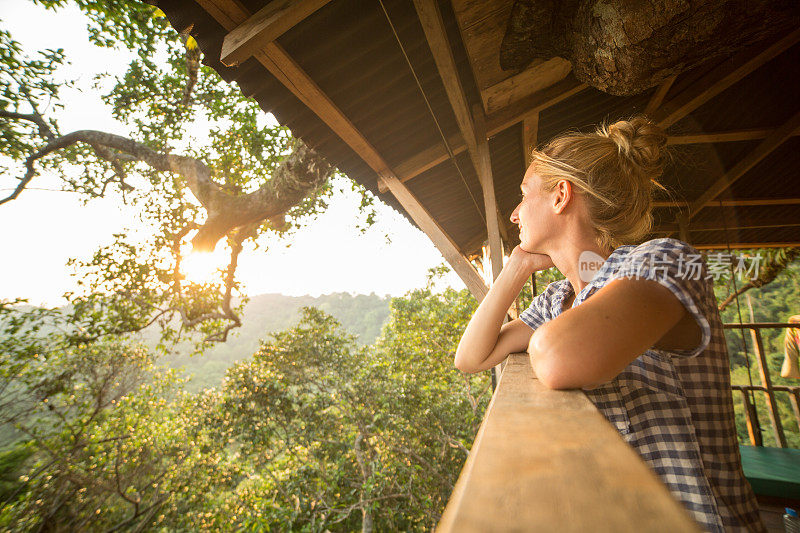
<point>640,332</point>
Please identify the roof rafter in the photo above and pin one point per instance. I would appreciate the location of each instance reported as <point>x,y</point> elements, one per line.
<point>721,78</point>
<point>266,25</point>
<point>495,123</point>
<point>735,203</point>
<point>720,137</point>
<point>469,122</point>
<point>230,14</point>
<point>767,146</point>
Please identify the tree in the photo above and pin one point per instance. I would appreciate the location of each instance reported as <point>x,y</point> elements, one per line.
<point>237,180</point>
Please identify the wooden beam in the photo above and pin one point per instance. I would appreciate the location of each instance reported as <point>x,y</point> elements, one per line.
<point>487,186</point>
<point>432,24</point>
<point>440,239</point>
<point>230,13</point>
<point>745,245</point>
<point>518,111</point>
<point>735,203</point>
<point>720,225</point>
<point>470,123</point>
<point>719,137</point>
<point>547,460</point>
<point>496,123</point>
<point>530,136</point>
<point>767,146</point>
<point>275,59</point>
<point>719,79</point>
<point>659,95</point>
<point>266,25</point>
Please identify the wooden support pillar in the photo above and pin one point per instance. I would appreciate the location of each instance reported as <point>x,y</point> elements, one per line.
<point>683,228</point>
<point>484,167</point>
<point>751,419</point>
<point>766,382</point>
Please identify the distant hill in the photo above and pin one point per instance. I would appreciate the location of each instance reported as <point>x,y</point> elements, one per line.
<point>362,315</point>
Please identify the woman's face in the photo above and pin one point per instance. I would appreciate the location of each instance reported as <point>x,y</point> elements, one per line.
<point>534,214</point>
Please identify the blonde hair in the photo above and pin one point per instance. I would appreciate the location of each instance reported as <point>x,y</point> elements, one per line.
<point>615,169</point>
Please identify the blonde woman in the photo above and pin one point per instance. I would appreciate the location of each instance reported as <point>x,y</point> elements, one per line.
<point>640,333</point>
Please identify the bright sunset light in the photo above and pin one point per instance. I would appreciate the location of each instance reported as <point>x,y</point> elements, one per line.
<point>204,267</point>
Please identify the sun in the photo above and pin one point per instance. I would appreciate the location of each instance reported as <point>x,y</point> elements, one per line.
<point>204,267</point>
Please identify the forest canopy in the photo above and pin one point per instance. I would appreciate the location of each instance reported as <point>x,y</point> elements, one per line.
<point>310,428</point>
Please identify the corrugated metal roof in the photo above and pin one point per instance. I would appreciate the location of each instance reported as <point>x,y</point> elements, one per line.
<point>349,50</point>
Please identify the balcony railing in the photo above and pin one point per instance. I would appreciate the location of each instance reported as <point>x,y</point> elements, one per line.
<point>548,460</point>
<point>767,388</point>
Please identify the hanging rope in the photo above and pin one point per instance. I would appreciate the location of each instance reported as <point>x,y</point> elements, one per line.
<point>430,109</point>
<point>739,312</point>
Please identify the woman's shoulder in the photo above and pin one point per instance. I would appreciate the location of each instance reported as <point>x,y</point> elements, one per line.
<point>665,245</point>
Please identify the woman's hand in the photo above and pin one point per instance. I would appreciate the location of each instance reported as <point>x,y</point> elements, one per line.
<point>530,262</point>
<point>487,341</point>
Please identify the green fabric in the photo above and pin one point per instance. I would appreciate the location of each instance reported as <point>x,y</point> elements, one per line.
<point>772,471</point>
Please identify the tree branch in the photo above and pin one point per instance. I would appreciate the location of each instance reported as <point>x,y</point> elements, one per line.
<point>296,176</point>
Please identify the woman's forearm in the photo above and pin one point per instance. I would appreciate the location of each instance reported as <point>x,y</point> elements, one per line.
<point>481,334</point>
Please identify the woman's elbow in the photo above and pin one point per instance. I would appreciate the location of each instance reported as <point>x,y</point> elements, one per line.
<point>462,362</point>
<point>546,362</point>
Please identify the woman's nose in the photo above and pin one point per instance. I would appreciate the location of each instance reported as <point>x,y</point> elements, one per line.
<point>514,217</point>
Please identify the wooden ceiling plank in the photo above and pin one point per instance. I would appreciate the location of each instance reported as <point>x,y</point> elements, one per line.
<point>767,146</point>
<point>515,113</point>
<point>264,26</point>
<point>718,225</point>
<point>231,13</point>
<point>721,78</point>
<point>658,97</point>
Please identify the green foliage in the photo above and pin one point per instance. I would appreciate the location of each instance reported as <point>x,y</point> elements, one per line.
<point>315,432</point>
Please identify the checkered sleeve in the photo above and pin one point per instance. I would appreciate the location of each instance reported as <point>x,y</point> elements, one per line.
<point>540,310</point>
<point>680,268</point>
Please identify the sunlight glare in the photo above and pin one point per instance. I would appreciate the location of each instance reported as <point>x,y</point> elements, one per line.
<point>204,267</point>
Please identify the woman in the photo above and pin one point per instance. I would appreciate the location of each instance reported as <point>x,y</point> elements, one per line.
<point>641,336</point>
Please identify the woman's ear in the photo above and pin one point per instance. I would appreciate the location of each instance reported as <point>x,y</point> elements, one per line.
<point>563,195</point>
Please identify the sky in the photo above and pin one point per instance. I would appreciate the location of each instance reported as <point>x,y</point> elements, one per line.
<point>45,227</point>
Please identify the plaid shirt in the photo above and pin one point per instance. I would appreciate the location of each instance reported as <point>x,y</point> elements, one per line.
<point>675,408</point>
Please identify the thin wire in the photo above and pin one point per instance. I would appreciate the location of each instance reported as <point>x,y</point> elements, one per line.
<point>739,311</point>
<point>430,109</point>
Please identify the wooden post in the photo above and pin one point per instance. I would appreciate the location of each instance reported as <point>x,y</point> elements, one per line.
<point>683,227</point>
<point>751,418</point>
<point>766,381</point>
<point>487,186</point>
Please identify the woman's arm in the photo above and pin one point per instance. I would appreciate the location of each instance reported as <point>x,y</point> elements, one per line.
<point>486,340</point>
<point>593,342</point>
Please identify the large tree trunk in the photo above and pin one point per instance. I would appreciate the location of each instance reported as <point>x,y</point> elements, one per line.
<point>623,47</point>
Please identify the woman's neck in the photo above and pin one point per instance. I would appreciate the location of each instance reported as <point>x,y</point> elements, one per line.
<point>578,258</point>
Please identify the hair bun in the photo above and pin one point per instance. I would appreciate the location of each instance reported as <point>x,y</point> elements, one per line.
<point>640,142</point>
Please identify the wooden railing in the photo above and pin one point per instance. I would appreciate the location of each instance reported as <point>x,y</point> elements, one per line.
<point>548,460</point>
<point>766,387</point>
